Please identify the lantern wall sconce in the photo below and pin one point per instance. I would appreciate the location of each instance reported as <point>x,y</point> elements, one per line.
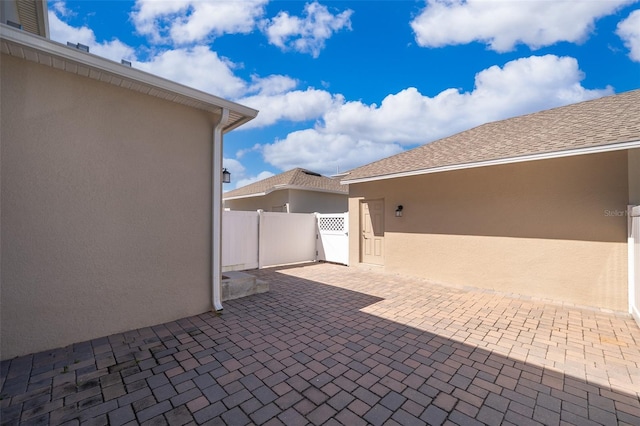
<point>399,211</point>
<point>226,176</point>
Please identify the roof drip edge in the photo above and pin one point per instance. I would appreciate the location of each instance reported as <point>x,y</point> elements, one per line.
<point>500,161</point>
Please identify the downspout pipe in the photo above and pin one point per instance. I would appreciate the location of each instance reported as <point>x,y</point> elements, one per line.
<point>216,212</point>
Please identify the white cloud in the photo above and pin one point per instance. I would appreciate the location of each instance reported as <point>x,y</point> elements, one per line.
<point>297,105</point>
<point>309,33</point>
<point>251,179</point>
<point>61,8</point>
<point>325,153</point>
<point>188,21</point>
<point>629,32</point>
<point>353,133</point>
<point>521,86</point>
<point>197,67</point>
<point>503,24</point>
<point>275,98</point>
<point>272,85</point>
<point>201,68</point>
<point>239,176</point>
<point>62,32</point>
<point>350,133</point>
<point>234,166</point>
<point>242,152</point>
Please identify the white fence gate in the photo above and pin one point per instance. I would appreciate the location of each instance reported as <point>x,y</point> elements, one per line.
<point>634,262</point>
<point>333,238</point>
<point>260,239</point>
<point>286,238</point>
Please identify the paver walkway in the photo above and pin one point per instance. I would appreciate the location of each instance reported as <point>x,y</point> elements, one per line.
<point>335,345</point>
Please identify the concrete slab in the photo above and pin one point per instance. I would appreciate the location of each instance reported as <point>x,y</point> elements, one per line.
<point>237,284</point>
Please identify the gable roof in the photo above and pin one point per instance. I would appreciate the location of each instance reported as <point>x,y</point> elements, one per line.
<point>293,179</point>
<point>24,45</point>
<point>605,124</point>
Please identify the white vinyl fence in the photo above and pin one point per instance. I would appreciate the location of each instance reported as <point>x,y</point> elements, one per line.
<point>260,239</point>
<point>239,240</point>
<point>286,238</point>
<point>333,237</point>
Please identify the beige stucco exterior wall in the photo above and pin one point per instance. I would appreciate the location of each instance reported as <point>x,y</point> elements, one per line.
<point>266,203</point>
<point>318,202</point>
<point>553,229</point>
<point>299,202</point>
<point>105,209</point>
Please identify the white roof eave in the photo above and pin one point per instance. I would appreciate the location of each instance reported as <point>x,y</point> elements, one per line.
<point>28,46</point>
<point>511,160</point>
<point>239,197</point>
<point>283,186</point>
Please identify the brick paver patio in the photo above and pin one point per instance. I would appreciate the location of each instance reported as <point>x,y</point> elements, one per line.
<point>335,345</point>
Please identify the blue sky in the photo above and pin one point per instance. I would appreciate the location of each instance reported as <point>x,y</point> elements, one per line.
<point>342,83</point>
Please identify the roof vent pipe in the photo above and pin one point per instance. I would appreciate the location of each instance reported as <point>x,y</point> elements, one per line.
<point>79,46</point>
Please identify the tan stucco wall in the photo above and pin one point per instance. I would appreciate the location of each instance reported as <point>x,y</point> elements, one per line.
<point>299,202</point>
<point>105,209</point>
<point>266,203</point>
<point>553,229</point>
<point>318,202</point>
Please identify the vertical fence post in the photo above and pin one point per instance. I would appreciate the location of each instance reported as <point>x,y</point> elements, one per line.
<point>260,239</point>
<point>317,232</point>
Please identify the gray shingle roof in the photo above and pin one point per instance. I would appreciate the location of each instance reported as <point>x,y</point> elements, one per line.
<point>597,123</point>
<point>296,178</point>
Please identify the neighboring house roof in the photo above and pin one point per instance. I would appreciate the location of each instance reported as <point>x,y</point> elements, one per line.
<point>293,179</point>
<point>605,124</point>
<point>27,46</point>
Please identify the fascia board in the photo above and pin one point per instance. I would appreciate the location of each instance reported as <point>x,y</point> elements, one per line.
<point>239,197</point>
<point>281,187</point>
<point>304,188</point>
<point>501,161</point>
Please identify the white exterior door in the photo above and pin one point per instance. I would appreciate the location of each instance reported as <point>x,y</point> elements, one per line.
<point>372,232</point>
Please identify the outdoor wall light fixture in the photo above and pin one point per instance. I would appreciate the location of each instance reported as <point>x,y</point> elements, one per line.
<point>226,176</point>
<point>399,211</point>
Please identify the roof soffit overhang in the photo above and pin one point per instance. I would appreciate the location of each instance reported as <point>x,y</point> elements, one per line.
<point>18,43</point>
<point>500,161</point>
